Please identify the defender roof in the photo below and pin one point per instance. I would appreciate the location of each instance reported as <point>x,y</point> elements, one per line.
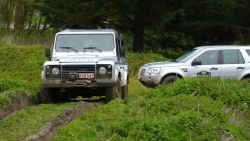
<point>88,31</point>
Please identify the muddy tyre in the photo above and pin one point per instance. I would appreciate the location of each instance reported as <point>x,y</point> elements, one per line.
<point>125,92</point>
<point>247,79</point>
<point>114,92</point>
<point>169,79</point>
<point>46,95</point>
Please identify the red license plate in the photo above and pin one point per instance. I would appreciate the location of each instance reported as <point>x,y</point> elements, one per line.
<point>86,75</point>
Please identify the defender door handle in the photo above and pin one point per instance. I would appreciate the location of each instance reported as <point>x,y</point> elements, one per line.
<point>213,68</point>
<point>240,68</point>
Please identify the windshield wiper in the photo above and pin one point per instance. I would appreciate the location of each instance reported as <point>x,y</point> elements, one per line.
<point>92,48</point>
<point>69,48</point>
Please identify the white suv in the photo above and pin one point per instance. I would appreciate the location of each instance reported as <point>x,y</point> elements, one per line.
<point>230,62</point>
<point>83,60</point>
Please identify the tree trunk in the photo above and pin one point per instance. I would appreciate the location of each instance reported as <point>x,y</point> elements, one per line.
<point>138,35</point>
<point>39,22</point>
<point>19,16</point>
<point>30,19</point>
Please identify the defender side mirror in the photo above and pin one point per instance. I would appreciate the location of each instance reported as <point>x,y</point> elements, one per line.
<point>196,63</point>
<point>47,53</point>
<point>122,50</point>
<point>122,43</point>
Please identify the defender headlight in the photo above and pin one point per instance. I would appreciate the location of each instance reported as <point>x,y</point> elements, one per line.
<point>52,71</point>
<point>55,71</point>
<point>102,70</point>
<point>154,70</point>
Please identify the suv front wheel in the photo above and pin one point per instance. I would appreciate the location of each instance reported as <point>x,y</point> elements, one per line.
<point>169,79</point>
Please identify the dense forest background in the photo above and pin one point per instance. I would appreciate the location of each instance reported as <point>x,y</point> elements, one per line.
<point>149,25</point>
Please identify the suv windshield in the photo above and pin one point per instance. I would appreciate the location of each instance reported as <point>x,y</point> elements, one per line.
<point>84,42</point>
<point>187,56</point>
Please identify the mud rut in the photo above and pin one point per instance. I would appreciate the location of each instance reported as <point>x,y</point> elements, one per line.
<point>17,105</point>
<point>49,130</point>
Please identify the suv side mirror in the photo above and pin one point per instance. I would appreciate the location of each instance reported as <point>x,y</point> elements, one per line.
<point>196,63</point>
<point>47,53</point>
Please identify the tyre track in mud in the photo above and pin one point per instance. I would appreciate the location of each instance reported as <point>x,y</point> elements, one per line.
<point>49,130</point>
<point>22,102</point>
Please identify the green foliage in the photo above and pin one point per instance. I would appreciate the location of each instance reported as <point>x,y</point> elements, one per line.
<point>161,114</point>
<point>136,60</point>
<point>233,93</point>
<point>26,37</point>
<point>29,121</point>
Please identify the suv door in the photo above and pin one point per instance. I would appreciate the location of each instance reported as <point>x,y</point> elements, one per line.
<point>207,66</point>
<point>232,63</point>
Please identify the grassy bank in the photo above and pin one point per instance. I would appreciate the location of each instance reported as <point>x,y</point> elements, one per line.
<point>20,71</point>
<point>191,109</point>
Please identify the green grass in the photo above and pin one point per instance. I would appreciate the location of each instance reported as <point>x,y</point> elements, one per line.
<point>20,71</point>
<point>175,112</point>
<point>29,121</point>
<point>190,109</point>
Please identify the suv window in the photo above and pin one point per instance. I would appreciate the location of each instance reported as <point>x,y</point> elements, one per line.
<point>248,52</point>
<point>208,57</point>
<point>232,56</point>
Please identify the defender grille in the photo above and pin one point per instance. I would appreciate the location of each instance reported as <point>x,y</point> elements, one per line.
<point>67,69</point>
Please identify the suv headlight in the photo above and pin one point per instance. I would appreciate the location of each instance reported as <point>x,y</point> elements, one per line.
<point>53,71</point>
<point>154,70</point>
<point>104,71</point>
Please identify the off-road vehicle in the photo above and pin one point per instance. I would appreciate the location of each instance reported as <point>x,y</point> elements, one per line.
<point>226,62</point>
<point>85,60</point>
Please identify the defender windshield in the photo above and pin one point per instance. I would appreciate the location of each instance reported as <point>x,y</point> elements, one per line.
<point>187,56</point>
<point>84,42</point>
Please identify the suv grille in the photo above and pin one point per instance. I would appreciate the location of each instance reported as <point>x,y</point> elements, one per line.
<point>67,69</point>
<point>142,71</point>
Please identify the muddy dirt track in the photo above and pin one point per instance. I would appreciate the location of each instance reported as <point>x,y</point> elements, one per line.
<point>17,105</point>
<point>49,130</point>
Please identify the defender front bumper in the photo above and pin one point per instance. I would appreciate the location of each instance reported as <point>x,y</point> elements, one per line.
<point>78,83</point>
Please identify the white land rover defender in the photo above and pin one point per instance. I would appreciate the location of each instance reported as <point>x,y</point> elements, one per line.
<point>226,62</point>
<point>83,60</point>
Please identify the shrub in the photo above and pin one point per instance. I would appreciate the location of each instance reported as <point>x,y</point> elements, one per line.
<point>181,117</point>
<point>233,93</point>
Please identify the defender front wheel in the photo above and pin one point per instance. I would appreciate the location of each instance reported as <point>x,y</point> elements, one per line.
<point>125,92</point>
<point>46,95</point>
<point>114,92</point>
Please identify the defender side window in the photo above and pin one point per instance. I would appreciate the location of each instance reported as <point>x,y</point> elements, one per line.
<point>232,56</point>
<point>118,48</point>
<point>208,57</point>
